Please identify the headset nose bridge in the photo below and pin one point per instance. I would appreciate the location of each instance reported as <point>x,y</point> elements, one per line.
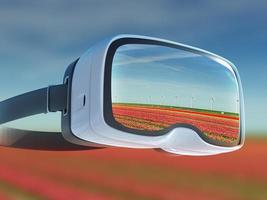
<point>186,141</point>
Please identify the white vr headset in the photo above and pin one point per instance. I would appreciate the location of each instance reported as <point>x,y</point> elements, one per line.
<point>103,102</point>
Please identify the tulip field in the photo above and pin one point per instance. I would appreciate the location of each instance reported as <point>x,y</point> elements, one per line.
<point>120,173</point>
<point>215,125</point>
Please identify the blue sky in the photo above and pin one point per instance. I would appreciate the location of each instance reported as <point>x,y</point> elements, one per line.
<point>40,38</point>
<point>150,74</point>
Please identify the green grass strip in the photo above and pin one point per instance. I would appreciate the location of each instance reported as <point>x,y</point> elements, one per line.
<point>14,192</point>
<point>178,107</point>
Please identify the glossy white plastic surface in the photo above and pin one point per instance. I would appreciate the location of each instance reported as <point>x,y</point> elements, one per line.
<point>88,124</point>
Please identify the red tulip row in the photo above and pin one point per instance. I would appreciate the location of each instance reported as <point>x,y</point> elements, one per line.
<point>222,128</point>
<point>140,107</point>
<point>166,117</point>
<point>199,116</point>
<point>145,125</point>
<point>131,122</point>
<point>152,127</point>
<point>140,121</point>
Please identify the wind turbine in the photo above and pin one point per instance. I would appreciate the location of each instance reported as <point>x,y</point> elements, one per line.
<point>237,105</point>
<point>161,100</point>
<point>212,100</point>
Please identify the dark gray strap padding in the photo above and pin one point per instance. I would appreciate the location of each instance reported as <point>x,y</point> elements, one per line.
<point>51,99</point>
<point>57,98</point>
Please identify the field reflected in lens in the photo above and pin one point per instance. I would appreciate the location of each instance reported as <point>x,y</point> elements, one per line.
<point>156,87</point>
<point>214,125</point>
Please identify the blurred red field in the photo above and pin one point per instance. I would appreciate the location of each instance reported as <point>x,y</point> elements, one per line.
<point>116,173</point>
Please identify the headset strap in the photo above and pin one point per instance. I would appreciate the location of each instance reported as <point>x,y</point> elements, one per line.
<point>49,99</point>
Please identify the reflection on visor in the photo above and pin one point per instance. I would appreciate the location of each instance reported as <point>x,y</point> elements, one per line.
<point>156,87</point>
<point>215,125</point>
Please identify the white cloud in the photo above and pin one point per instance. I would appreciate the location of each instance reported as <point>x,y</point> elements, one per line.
<point>156,58</point>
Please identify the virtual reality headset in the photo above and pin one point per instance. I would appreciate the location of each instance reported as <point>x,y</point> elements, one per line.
<point>137,92</point>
